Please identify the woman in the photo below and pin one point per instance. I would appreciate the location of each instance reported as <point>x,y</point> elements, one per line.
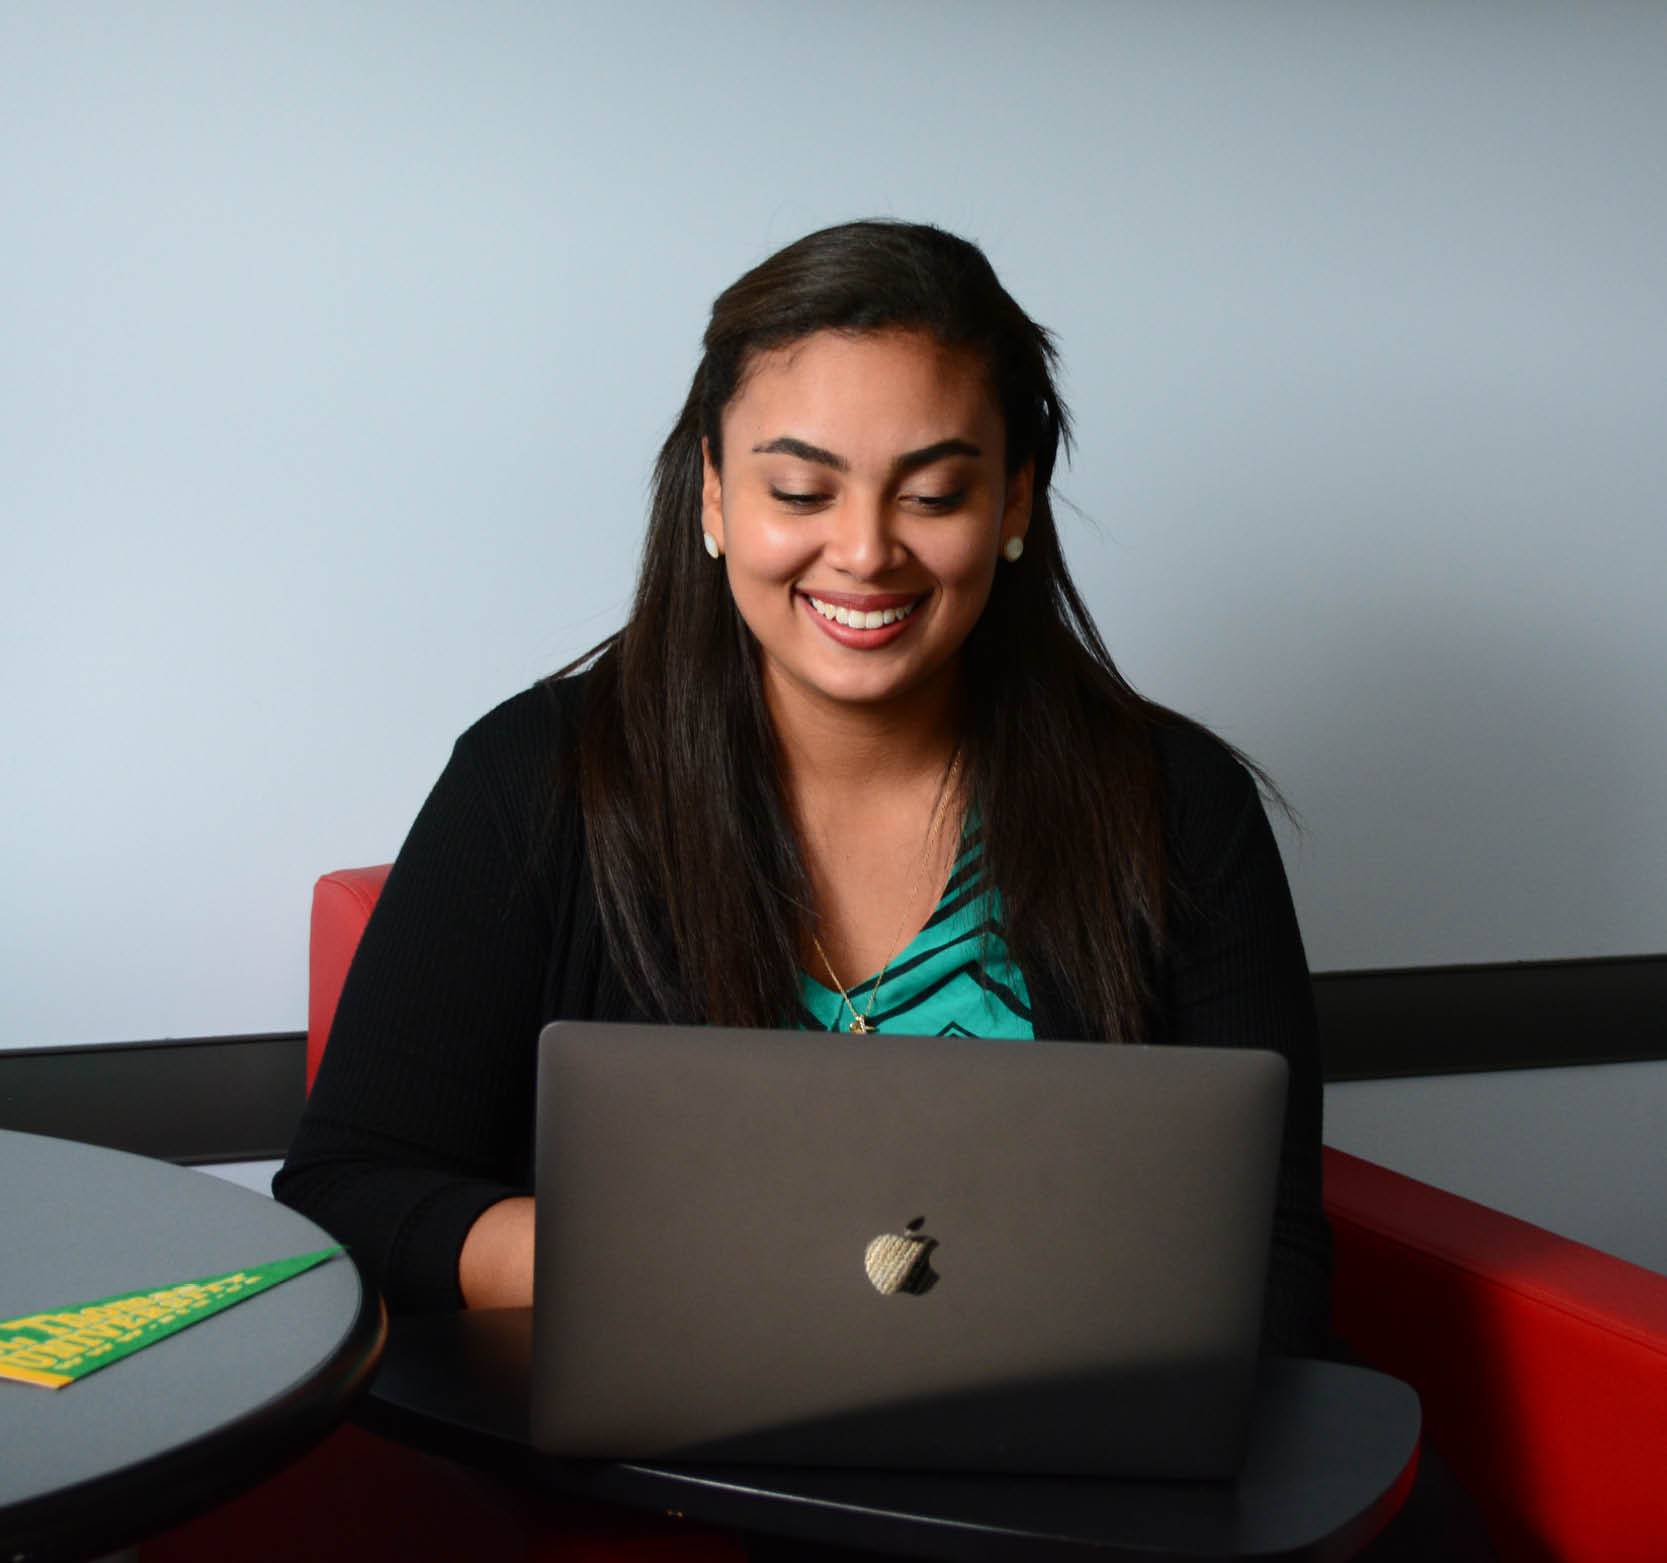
<point>859,732</point>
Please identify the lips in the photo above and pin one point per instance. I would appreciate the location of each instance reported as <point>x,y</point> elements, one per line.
<point>862,623</point>
<point>862,613</point>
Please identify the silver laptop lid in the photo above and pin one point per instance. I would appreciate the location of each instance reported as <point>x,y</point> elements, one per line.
<point>900,1251</point>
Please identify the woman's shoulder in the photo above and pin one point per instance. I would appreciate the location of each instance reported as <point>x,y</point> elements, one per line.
<point>523,750</point>
<point>530,724</point>
<point>1195,763</point>
<point>1208,790</point>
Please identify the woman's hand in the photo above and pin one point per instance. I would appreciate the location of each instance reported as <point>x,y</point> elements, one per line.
<point>495,1269</point>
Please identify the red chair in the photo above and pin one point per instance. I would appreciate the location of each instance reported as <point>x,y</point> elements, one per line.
<point>342,904</point>
<point>1541,1363</point>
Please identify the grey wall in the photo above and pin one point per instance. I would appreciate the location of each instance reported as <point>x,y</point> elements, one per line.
<point>336,341</point>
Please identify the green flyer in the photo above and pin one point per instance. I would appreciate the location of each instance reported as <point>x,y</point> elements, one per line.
<point>57,1348</point>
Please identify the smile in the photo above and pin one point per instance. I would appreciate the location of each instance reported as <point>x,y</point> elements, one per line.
<point>856,618</point>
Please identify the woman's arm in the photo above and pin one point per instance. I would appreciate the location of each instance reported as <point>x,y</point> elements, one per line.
<point>495,1269</point>
<point>419,1123</point>
<point>1237,976</point>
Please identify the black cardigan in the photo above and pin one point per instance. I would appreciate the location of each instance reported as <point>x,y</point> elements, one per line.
<point>488,927</point>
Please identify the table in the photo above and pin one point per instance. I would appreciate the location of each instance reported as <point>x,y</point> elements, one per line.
<point>196,1417</point>
<point>1334,1449</point>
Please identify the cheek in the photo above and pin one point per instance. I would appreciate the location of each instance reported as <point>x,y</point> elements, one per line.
<point>757,565</point>
<point>969,566</point>
<point>767,549</point>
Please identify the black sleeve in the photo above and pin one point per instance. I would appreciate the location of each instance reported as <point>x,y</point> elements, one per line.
<point>1236,976</point>
<point>420,1117</point>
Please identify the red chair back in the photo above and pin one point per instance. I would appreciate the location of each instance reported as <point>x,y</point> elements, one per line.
<point>1541,1363</point>
<point>342,904</point>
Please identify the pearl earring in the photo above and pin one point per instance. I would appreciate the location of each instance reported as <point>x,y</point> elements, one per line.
<point>713,546</point>
<point>1012,548</point>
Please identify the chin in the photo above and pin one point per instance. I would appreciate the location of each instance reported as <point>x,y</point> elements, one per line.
<point>872,692</point>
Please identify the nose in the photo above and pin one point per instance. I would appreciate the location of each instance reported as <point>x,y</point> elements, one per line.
<point>861,541</point>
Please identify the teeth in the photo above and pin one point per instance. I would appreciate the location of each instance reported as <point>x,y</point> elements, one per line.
<point>855,618</point>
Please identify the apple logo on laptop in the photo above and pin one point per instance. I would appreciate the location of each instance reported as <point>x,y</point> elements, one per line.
<point>902,1261</point>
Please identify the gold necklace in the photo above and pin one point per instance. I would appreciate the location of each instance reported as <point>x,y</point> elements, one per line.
<point>859,1023</point>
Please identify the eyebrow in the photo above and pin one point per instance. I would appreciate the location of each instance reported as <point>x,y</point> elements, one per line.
<point>909,461</point>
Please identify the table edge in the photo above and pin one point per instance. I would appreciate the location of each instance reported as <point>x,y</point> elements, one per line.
<point>201,1473</point>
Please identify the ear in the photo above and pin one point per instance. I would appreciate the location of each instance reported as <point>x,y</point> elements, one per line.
<point>711,496</point>
<point>1015,515</point>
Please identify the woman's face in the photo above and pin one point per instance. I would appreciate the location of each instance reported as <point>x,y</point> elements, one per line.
<point>862,509</point>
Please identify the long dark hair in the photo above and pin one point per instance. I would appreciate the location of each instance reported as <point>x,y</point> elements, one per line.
<point>703,891</point>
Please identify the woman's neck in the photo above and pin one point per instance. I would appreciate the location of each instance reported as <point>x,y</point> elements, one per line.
<point>834,746</point>
<point>876,804</point>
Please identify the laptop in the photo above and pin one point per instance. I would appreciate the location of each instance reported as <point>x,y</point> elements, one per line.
<point>924,1253</point>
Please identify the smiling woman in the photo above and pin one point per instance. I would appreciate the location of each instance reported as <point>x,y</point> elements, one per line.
<point>858,759</point>
<point>861,550</point>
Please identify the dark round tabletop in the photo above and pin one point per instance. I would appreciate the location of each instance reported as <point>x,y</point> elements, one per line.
<point>195,1417</point>
<point>1333,1451</point>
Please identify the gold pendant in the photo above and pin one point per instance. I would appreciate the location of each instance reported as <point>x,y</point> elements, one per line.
<point>858,1024</point>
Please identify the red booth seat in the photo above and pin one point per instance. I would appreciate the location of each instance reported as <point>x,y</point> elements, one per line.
<point>1541,1363</point>
<point>342,903</point>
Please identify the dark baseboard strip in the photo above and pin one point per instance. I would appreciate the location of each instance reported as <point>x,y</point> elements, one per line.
<point>205,1100</point>
<point>239,1098</point>
<point>1432,1020</point>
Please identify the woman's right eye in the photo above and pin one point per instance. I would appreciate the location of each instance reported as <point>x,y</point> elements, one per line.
<point>796,501</point>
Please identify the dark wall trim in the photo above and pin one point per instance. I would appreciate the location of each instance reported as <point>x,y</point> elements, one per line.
<point>208,1099</point>
<point>239,1098</point>
<point>1432,1020</point>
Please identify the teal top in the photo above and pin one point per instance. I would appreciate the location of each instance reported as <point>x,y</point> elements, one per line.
<point>955,978</point>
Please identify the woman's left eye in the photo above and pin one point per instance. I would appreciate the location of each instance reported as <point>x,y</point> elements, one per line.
<point>944,502</point>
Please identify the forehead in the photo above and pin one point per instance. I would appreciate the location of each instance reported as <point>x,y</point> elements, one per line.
<point>892,389</point>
